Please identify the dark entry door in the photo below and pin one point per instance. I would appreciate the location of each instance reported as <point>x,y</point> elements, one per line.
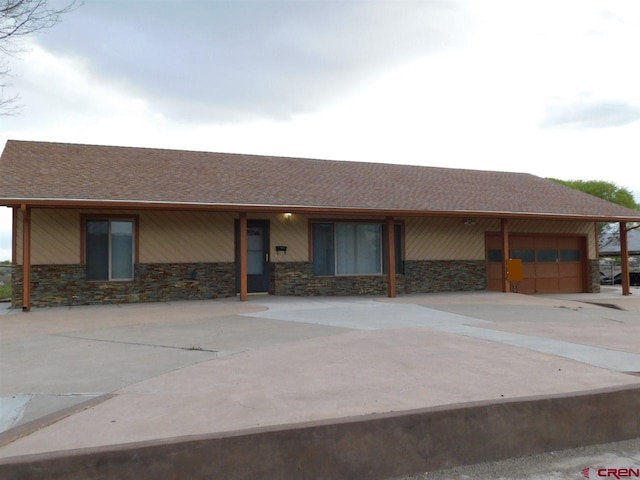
<point>257,256</point>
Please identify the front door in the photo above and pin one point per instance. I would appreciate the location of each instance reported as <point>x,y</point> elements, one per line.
<point>257,256</point>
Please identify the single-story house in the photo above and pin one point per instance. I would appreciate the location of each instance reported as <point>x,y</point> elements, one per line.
<point>613,248</point>
<point>102,224</point>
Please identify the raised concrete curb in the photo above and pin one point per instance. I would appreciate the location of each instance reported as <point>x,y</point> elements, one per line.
<point>367,447</point>
<point>28,428</point>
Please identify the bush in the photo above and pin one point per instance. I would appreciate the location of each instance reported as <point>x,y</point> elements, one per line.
<point>5,291</point>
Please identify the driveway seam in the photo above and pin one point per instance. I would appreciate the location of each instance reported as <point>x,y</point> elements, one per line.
<point>193,348</point>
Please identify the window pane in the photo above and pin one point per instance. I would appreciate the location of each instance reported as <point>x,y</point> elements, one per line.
<point>358,248</point>
<point>346,248</point>
<point>494,255</point>
<point>323,254</point>
<point>569,255</point>
<point>97,250</point>
<point>255,251</point>
<point>368,249</point>
<point>122,250</point>
<point>524,255</point>
<point>547,255</point>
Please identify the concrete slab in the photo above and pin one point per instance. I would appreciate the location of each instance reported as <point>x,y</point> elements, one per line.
<point>211,367</point>
<point>109,347</point>
<point>368,315</point>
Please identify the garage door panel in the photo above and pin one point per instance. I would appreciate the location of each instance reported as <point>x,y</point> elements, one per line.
<point>547,285</point>
<point>567,269</point>
<point>522,243</point>
<point>546,243</point>
<point>570,284</point>
<point>546,270</point>
<point>557,266</point>
<point>569,243</point>
<point>527,286</point>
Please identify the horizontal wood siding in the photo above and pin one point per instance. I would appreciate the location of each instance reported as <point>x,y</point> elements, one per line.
<point>445,239</point>
<point>55,237</point>
<point>173,237</point>
<point>290,232</point>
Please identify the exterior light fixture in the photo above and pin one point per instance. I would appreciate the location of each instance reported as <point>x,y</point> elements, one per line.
<point>287,216</point>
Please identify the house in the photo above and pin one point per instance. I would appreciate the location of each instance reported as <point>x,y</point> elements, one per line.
<point>102,224</point>
<point>612,245</point>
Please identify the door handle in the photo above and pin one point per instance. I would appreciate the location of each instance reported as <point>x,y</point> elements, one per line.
<point>266,257</point>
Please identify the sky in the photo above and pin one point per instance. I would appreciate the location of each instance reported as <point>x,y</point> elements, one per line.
<point>537,86</point>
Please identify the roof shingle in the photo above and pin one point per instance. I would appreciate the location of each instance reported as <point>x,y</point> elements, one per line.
<point>70,172</point>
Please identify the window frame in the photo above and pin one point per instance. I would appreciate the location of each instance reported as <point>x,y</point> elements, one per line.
<point>84,218</point>
<point>384,262</point>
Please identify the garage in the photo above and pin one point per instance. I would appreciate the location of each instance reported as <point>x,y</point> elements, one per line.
<point>551,264</point>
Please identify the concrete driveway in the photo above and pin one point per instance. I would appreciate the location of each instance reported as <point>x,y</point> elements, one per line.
<point>82,377</point>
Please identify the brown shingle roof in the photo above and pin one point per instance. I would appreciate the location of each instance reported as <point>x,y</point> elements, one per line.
<point>67,172</point>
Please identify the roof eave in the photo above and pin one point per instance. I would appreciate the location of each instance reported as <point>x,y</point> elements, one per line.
<point>307,209</point>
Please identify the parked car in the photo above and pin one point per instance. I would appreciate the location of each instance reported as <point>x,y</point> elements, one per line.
<point>634,279</point>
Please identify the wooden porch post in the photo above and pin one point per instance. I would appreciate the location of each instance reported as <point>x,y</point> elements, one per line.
<point>243,256</point>
<point>624,259</point>
<point>391,255</point>
<point>26,258</point>
<point>504,229</point>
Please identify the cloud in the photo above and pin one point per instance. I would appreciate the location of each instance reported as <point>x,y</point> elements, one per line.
<point>236,60</point>
<point>588,114</point>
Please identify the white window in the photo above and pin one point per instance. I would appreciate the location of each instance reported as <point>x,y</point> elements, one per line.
<point>109,249</point>
<point>343,248</point>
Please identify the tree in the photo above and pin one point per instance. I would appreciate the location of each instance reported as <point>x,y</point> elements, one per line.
<point>609,232</point>
<point>606,190</point>
<point>18,19</point>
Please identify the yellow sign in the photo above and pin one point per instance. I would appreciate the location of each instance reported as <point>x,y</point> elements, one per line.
<point>515,272</point>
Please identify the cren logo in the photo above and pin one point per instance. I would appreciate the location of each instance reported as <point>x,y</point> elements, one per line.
<point>610,473</point>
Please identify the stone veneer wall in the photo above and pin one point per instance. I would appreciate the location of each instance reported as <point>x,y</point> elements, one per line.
<point>67,285</point>
<point>425,276</point>
<point>297,278</point>
<point>594,276</point>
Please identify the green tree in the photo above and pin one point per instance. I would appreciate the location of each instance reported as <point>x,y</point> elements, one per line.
<point>606,190</point>
<point>609,232</point>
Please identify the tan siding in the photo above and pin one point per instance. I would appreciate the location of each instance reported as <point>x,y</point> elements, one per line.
<point>18,240</point>
<point>55,237</point>
<point>168,237</point>
<point>293,233</point>
<point>445,239</point>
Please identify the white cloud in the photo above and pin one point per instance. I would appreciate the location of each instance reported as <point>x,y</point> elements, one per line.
<point>473,96</point>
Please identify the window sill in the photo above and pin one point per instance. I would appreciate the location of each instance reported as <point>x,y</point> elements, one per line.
<point>111,281</point>
<point>352,275</point>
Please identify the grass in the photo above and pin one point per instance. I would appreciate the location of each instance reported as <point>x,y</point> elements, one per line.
<point>5,291</point>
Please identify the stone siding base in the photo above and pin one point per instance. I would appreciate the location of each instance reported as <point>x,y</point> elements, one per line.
<point>419,277</point>
<point>67,285</point>
<point>426,276</point>
<point>594,277</point>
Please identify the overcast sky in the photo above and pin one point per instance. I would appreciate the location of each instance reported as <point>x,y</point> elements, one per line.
<point>544,87</point>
